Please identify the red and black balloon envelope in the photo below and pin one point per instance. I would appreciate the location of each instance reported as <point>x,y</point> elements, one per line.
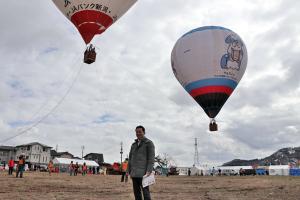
<point>209,62</point>
<point>92,17</point>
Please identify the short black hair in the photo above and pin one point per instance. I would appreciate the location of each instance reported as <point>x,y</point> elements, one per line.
<point>140,126</point>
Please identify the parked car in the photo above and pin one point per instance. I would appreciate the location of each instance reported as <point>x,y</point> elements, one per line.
<point>43,168</point>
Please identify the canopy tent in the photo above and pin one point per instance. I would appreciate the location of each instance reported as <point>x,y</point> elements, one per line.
<point>236,167</point>
<point>67,161</point>
<point>279,170</point>
<point>199,170</point>
<point>233,170</point>
<point>195,171</point>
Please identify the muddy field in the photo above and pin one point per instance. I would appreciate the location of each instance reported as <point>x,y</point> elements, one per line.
<point>61,186</point>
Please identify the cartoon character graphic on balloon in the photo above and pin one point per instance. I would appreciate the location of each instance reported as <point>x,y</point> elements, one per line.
<point>233,58</point>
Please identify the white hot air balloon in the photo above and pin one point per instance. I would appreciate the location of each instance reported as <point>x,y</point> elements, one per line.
<point>209,62</point>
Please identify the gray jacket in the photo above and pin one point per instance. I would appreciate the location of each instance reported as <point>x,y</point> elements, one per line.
<point>141,158</point>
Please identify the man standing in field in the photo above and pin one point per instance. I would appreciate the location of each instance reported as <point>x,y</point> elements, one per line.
<point>76,168</point>
<point>11,164</point>
<point>124,167</point>
<point>141,161</point>
<point>71,168</point>
<point>21,166</point>
<point>50,167</point>
<point>84,169</point>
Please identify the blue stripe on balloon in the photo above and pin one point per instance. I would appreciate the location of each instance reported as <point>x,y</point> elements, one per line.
<point>205,28</point>
<point>211,82</point>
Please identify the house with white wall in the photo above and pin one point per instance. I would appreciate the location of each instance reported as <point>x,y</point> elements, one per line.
<point>35,153</point>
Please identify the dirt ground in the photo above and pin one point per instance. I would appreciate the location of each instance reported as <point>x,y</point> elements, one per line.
<point>40,185</point>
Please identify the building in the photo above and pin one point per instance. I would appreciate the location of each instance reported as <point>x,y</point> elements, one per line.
<point>97,157</point>
<point>55,154</point>
<point>35,153</point>
<point>7,152</point>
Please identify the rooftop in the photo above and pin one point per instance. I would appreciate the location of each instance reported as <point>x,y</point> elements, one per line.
<point>55,153</point>
<point>94,154</point>
<point>34,143</point>
<point>8,148</point>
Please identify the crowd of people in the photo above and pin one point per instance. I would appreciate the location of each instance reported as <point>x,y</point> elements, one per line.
<point>75,168</point>
<point>20,166</point>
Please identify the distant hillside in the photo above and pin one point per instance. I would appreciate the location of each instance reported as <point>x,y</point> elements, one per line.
<point>283,156</point>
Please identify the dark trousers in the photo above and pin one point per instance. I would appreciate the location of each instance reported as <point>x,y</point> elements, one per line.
<point>124,177</point>
<point>10,170</point>
<point>138,188</point>
<point>20,171</point>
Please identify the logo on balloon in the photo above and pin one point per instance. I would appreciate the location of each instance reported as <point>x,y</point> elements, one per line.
<point>233,58</point>
<point>67,2</point>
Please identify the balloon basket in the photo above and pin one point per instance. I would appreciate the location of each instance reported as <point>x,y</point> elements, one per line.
<point>213,126</point>
<point>90,55</point>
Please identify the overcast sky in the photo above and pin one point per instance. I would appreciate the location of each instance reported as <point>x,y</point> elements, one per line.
<point>132,81</point>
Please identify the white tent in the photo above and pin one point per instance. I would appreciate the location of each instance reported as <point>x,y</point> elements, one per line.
<point>232,170</point>
<point>279,170</point>
<point>200,170</point>
<point>235,167</point>
<point>195,171</point>
<point>67,161</point>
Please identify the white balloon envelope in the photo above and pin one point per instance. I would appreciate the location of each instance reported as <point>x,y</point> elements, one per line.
<point>209,62</point>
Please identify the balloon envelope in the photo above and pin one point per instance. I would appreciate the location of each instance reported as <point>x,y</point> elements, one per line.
<point>93,17</point>
<point>209,62</point>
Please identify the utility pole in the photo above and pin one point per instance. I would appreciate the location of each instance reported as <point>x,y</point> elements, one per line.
<point>121,152</point>
<point>82,149</point>
<point>56,148</point>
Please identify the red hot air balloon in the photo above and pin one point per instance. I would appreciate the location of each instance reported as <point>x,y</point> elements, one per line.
<point>92,17</point>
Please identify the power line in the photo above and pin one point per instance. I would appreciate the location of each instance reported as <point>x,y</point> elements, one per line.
<point>50,112</point>
<point>48,100</point>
